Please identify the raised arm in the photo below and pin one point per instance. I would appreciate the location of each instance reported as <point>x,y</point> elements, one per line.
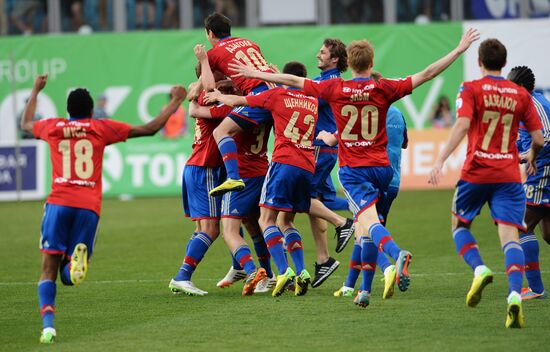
<point>458,132</point>
<point>178,95</point>
<point>440,65</point>
<point>279,78</point>
<point>207,77</point>
<point>231,100</point>
<point>27,122</point>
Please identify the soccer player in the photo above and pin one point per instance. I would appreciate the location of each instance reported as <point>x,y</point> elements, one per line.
<point>332,60</point>
<point>397,140</point>
<point>242,207</point>
<point>360,106</point>
<point>225,49</point>
<point>489,111</point>
<point>72,209</point>
<point>201,174</point>
<point>536,187</point>
<point>288,183</point>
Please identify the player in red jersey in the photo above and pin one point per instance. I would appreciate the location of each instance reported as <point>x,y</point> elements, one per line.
<point>225,49</point>
<point>360,106</point>
<point>489,111</point>
<point>287,188</point>
<point>72,209</point>
<point>242,207</point>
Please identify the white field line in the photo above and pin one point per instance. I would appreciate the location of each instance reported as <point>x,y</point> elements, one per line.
<point>101,282</point>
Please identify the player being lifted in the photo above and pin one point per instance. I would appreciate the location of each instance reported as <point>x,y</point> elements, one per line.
<point>225,49</point>
<point>536,187</point>
<point>360,106</point>
<point>72,209</point>
<point>489,111</point>
<point>287,185</point>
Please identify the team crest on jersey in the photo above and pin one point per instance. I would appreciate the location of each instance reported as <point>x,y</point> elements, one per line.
<point>459,103</point>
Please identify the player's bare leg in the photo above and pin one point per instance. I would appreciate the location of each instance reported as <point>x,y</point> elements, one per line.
<point>344,227</point>
<point>223,134</point>
<point>46,295</point>
<point>325,265</point>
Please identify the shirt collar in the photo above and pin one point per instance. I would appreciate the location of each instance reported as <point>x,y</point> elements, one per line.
<point>495,77</point>
<point>361,78</point>
<point>330,72</point>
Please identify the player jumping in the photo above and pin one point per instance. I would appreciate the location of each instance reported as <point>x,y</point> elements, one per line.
<point>225,49</point>
<point>489,111</point>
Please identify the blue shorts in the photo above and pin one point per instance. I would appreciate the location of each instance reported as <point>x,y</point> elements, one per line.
<point>506,201</point>
<point>247,117</point>
<point>364,185</point>
<point>537,187</point>
<point>243,204</point>
<point>384,204</point>
<point>287,188</point>
<point>324,163</point>
<point>64,227</point>
<point>197,182</point>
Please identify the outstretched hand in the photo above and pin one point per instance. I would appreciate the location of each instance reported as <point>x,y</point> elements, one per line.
<point>467,39</point>
<point>241,70</point>
<point>40,82</point>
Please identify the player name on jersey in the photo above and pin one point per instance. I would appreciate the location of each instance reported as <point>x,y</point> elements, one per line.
<point>499,101</point>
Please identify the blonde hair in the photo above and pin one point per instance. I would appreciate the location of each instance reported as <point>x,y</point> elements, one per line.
<point>360,55</point>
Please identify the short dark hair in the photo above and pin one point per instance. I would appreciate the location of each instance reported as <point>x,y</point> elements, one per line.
<point>218,24</point>
<point>523,76</point>
<point>295,68</point>
<point>492,54</point>
<point>337,49</point>
<point>80,103</point>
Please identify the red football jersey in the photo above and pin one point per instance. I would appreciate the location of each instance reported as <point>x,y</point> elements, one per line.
<point>360,107</point>
<point>76,152</point>
<point>205,149</point>
<point>495,107</point>
<point>244,50</point>
<point>252,149</point>
<point>294,117</point>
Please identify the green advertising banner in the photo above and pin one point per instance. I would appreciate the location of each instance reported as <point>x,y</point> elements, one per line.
<point>136,70</point>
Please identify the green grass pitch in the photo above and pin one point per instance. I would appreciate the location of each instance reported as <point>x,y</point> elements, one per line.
<point>125,304</point>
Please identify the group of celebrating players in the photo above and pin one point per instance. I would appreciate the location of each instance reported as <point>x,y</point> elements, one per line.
<point>228,178</point>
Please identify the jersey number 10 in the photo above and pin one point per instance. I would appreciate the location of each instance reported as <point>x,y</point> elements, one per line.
<point>254,58</point>
<point>83,163</point>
